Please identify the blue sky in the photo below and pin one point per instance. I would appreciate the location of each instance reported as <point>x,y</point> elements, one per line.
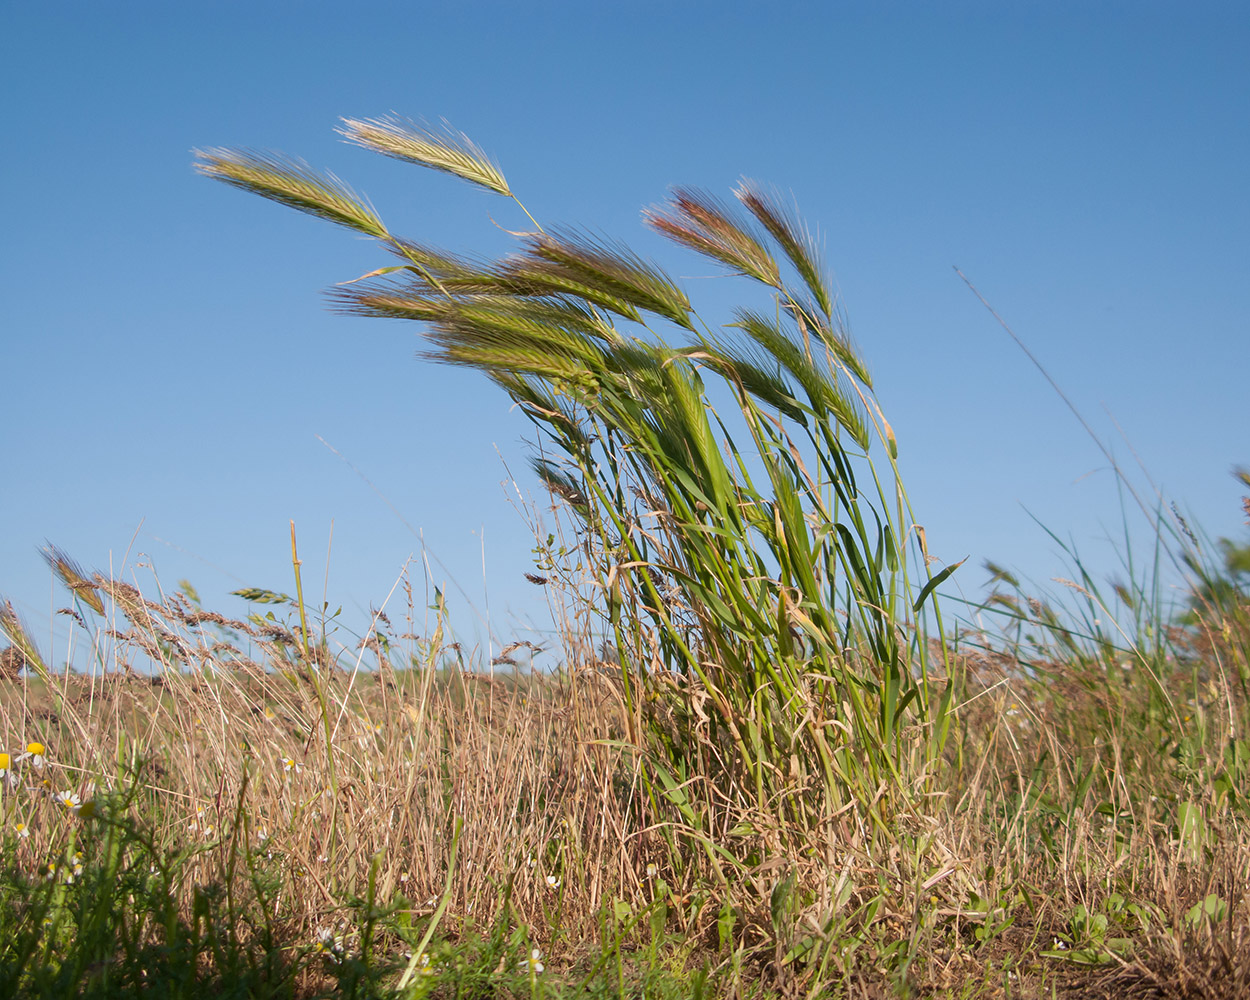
<point>171,371</point>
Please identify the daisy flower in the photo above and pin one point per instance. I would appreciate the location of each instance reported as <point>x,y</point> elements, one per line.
<point>553,882</point>
<point>74,804</point>
<point>329,944</point>
<point>201,824</point>
<point>21,829</point>
<point>534,964</point>
<point>6,768</point>
<point>290,764</point>
<point>36,753</point>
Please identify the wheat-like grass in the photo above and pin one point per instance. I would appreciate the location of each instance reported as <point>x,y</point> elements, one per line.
<point>291,183</point>
<point>445,150</point>
<point>700,222</point>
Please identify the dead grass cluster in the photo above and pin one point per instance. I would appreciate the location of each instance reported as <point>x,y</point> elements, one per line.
<point>1085,837</point>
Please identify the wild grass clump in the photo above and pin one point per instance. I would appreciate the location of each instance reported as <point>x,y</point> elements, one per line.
<point>761,600</point>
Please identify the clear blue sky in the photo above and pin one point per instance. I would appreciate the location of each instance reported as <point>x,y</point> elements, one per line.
<point>169,364</point>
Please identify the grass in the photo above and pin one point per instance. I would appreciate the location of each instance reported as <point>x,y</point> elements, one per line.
<point>1080,836</point>
<point>764,766</point>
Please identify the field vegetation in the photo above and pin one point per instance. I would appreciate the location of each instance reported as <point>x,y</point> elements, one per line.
<point>772,759</point>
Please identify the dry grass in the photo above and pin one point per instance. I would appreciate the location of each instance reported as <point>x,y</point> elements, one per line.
<point>1074,817</point>
<point>228,734</point>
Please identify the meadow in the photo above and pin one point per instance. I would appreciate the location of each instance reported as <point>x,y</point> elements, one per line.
<point>772,760</point>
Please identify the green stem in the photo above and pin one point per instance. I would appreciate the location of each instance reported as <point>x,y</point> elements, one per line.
<point>315,674</point>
